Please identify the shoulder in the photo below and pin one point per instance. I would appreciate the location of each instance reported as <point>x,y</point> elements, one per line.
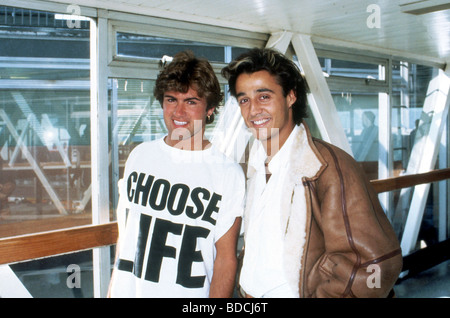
<point>141,151</point>
<point>223,160</point>
<point>145,146</point>
<point>339,163</point>
<point>332,153</point>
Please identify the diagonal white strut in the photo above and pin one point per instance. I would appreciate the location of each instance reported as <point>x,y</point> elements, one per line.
<point>424,154</point>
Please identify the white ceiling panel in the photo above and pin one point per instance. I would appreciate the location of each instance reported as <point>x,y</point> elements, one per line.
<point>425,34</point>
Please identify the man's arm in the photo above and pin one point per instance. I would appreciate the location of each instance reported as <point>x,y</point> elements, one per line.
<point>224,274</point>
<point>357,234</point>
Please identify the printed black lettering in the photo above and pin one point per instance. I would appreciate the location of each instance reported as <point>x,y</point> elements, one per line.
<point>143,188</point>
<point>159,249</point>
<point>188,255</point>
<point>159,185</point>
<point>212,207</point>
<point>198,203</point>
<point>159,194</point>
<point>181,201</point>
<point>125,265</point>
<point>144,226</point>
<point>131,179</point>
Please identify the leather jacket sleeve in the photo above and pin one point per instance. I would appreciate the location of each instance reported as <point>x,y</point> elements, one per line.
<point>352,250</point>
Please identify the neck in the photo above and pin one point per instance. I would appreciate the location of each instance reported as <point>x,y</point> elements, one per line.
<point>274,144</point>
<point>194,143</point>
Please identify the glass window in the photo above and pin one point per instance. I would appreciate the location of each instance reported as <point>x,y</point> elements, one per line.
<point>44,122</point>
<point>357,107</point>
<point>346,68</point>
<point>144,46</point>
<point>358,113</point>
<point>411,122</point>
<point>63,276</point>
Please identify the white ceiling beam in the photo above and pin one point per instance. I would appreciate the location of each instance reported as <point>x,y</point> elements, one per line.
<point>424,6</point>
<point>280,41</point>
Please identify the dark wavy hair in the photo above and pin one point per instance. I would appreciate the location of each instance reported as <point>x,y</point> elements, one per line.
<point>187,71</point>
<point>286,72</point>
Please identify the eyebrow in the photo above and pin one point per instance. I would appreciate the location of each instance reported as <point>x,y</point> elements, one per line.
<point>259,90</point>
<point>185,100</point>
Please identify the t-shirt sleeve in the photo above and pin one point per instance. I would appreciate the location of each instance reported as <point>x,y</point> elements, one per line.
<point>233,199</point>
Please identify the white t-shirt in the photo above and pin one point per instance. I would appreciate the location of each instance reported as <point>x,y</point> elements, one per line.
<point>174,205</point>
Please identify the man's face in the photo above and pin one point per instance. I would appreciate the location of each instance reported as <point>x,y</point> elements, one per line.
<point>184,116</point>
<point>264,108</point>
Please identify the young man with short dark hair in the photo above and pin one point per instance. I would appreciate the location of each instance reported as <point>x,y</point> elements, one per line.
<point>313,225</point>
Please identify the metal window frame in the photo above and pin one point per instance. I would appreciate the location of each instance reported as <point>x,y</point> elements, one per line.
<point>99,149</point>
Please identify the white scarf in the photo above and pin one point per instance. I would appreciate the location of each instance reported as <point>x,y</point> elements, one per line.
<point>303,163</point>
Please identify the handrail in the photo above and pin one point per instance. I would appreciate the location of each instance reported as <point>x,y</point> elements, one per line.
<point>389,184</point>
<point>33,246</point>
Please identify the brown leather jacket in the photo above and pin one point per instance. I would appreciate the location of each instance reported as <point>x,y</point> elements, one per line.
<point>343,239</point>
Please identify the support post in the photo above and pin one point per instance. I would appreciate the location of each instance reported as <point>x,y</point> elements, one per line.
<point>99,148</point>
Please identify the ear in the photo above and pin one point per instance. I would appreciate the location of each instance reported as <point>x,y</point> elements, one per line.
<point>291,98</point>
<point>210,111</point>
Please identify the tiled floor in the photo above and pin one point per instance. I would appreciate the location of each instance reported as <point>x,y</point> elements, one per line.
<point>432,283</point>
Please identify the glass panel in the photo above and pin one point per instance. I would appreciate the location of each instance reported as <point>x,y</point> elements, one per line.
<point>357,108</point>
<point>65,276</point>
<point>358,113</point>
<point>410,123</point>
<point>44,123</point>
<point>156,47</point>
<point>346,68</point>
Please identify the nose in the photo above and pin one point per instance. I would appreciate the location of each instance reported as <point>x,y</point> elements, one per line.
<point>179,109</point>
<point>254,108</point>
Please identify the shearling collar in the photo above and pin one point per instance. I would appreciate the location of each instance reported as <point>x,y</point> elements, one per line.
<point>305,160</point>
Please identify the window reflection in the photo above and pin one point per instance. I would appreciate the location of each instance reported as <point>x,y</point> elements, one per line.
<point>44,123</point>
<point>144,46</point>
<point>359,112</point>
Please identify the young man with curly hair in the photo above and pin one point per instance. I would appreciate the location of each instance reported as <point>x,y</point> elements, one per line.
<point>178,216</point>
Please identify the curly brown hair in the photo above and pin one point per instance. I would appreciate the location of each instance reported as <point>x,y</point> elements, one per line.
<point>187,71</point>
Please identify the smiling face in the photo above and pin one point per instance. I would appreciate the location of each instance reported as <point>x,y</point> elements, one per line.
<point>265,109</point>
<point>184,116</point>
